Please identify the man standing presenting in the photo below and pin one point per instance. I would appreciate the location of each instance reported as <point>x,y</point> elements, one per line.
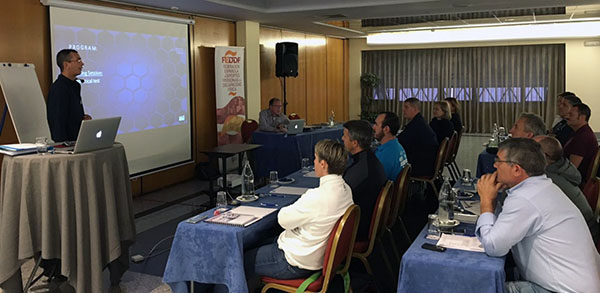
<point>548,237</point>
<point>272,120</point>
<point>64,107</point>
<point>390,153</point>
<point>418,139</point>
<point>365,175</point>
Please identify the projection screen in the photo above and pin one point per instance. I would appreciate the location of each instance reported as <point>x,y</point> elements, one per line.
<point>137,69</point>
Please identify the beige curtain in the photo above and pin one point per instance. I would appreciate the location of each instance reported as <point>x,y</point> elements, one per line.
<point>492,84</point>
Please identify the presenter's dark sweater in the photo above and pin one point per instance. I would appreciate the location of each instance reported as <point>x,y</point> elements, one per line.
<point>420,143</point>
<point>64,109</point>
<point>366,177</point>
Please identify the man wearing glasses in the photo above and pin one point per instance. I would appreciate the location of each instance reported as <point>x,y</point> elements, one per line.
<point>64,107</point>
<point>272,120</point>
<point>549,238</point>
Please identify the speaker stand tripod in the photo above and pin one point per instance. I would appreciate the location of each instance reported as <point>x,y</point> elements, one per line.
<point>284,97</point>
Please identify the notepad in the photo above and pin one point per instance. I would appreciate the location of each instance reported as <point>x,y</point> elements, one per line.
<point>242,216</point>
<point>18,149</point>
<point>289,190</point>
<point>460,242</point>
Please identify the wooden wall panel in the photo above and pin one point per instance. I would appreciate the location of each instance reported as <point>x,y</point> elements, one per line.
<point>335,78</point>
<point>208,33</point>
<point>316,79</point>
<point>296,86</point>
<point>24,38</point>
<point>308,94</point>
<point>270,85</point>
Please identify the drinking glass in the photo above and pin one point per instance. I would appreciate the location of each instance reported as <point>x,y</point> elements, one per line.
<point>432,230</point>
<point>305,165</point>
<point>41,145</point>
<point>273,179</point>
<point>221,199</point>
<point>466,178</point>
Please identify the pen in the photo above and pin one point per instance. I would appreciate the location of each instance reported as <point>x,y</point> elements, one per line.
<point>269,205</point>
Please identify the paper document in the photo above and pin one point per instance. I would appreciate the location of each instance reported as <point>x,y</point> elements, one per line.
<point>310,174</point>
<point>460,242</point>
<point>290,190</point>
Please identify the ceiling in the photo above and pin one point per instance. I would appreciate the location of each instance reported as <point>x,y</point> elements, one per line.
<point>312,16</point>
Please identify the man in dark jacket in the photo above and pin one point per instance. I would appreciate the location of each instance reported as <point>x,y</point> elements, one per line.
<point>365,175</point>
<point>418,139</point>
<point>64,107</point>
<point>564,174</point>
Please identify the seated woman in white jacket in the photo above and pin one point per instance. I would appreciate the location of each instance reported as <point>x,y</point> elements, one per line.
<point>299,250</point>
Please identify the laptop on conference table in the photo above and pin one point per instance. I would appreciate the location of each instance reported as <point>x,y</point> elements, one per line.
<point>296,126</point>
<point>94,135</point>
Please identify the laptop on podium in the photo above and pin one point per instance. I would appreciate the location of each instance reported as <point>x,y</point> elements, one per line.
<point>94,135</point>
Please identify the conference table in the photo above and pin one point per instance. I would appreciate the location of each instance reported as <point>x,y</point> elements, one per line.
<point>76,208</point>
<point>210,253</point>
<point>283,153</point>
<point>453,270</point>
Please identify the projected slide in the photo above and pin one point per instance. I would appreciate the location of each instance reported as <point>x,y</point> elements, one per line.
<point>137,69</point>
<point>142,78</point>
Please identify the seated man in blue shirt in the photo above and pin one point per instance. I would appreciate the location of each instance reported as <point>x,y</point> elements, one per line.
<point>390,153</point>
<point>365,175</point>
<point>549,238</point>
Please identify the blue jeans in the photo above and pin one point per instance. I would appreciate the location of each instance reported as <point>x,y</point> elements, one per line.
<point>524,287</point>
<point>269,261</point>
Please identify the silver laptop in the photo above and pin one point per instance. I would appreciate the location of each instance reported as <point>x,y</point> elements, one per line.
<point>94,135</point>
<point>296,126</point>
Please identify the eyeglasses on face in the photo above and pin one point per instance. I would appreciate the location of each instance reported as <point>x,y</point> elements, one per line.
<point>76,60</point>
<point>497,160</point>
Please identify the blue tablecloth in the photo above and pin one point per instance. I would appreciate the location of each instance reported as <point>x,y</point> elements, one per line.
<point>454,270</point>
<point>485,163</point>
<point>284,153</point>
<point>213,253</point>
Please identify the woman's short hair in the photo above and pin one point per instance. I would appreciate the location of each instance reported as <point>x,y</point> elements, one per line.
<point>445,107</point>
<point>334,154</point>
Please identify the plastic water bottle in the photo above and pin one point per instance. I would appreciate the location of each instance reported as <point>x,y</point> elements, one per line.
<point>332,119</point>
<point>247,180</point>
<point>446,203</point>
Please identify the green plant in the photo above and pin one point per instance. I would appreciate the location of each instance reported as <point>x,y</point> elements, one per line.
<point>368,82</point>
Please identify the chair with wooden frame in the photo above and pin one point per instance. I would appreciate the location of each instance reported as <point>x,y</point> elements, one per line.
<point>248,127</point>
<point>439,163</point>
<point>398,202</point>
<point>593,169</point>
<point>336,260</point>
<point>453,164</point>
<point>363,249</point>
<point>294,116</point>
<point>451,156</point>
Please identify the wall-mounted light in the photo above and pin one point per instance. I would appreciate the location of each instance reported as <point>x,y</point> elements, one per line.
<point>532,31</point>
<point>114,11</point>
